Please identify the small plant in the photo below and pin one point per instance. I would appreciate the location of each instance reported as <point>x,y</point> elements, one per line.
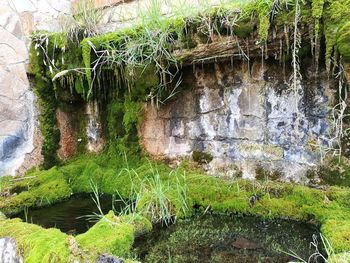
<point>161,199</point>
<point>85,22</point>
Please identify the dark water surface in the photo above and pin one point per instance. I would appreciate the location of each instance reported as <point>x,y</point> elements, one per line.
<point>66,215</point>
<point>214,238</point>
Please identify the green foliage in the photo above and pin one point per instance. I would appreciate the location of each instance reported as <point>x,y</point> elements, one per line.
<point>162,200</point>
<point>343,41</point>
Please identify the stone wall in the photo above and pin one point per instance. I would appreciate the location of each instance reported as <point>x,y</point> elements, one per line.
<point>244,116</point>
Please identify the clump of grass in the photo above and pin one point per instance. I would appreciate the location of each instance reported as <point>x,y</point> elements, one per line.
<point>85,21</point>
<point>161,199</point>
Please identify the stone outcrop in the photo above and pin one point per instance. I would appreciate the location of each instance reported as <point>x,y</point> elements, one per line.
<point>8,253</point>
<point>20,139</point>
<point>243,116</point>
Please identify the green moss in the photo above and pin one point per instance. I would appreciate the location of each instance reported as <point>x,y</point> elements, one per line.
<point>343,41</point>
<point>2,216</point>
<point>335,172</point>
<point>86,55</point>
<point>48,104</point>
<point>244,28</point>
<point>146,80</point>
<point>338,234</point>
<point>122,135</point>
<point>141,224</point>
<point>317,12</point>
<point>109,235</point>
<point>112,235</point>
<point>272,199</point>
<point>341,257</point>
<point>201,157</point>
<point>335,17</point>
<point>264,25</point>
<point>35,244</point>
<point>41,189</point>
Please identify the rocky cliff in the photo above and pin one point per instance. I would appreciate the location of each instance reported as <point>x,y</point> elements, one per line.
<point>244,115</point>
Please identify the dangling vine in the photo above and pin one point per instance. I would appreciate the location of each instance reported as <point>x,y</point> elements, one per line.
<point>295,80</point>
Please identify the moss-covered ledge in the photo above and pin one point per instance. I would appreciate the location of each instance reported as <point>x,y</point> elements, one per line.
<point>112,235</point>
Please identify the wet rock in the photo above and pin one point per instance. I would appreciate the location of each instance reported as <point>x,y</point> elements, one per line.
<point>8,253</point>
<point>257,119</point>
<point>243,243</point>
<point>68,134</point>
<point>94,128</point>
<point>105,258</point>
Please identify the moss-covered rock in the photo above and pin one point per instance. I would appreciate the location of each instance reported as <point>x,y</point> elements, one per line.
<point>112,235</point>
<point>35,244</point>
<point>39,189</point>
<point>109,235</point>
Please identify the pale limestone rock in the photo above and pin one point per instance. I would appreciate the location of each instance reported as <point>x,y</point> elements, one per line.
<point>8,253</point>
<point>12,48</point>
<point>23,5</point>
<point>240,121</point>
<point>27,21</point>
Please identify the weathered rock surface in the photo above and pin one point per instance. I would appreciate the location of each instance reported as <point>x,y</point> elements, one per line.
<point>8,253</point>
<point>93,128</point>
<point>20,139</point>
<point>242,117</point>
<point>16,104</point>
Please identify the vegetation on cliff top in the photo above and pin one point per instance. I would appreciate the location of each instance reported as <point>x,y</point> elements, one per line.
<point>154,37</point>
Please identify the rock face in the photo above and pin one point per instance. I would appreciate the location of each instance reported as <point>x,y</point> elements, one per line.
<point>8,252</point>
<point>20,140</point>
<point>245,117</point>
<point>16,104</point>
